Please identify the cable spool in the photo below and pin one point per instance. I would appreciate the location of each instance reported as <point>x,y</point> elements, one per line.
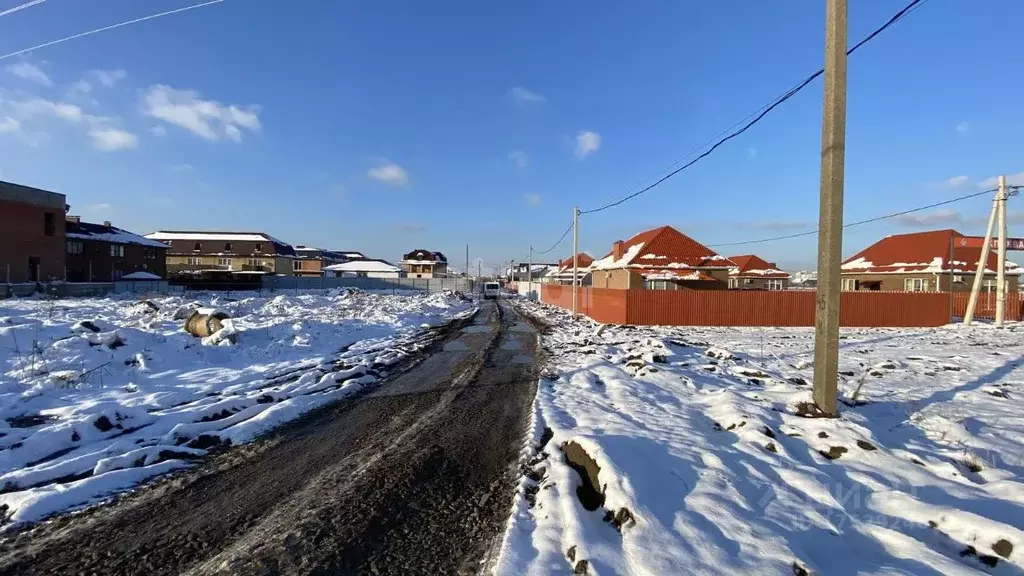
<point>203,325</point>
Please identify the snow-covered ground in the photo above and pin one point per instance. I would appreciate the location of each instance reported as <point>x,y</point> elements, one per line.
<point>696,434</point>
<point>99,394</point>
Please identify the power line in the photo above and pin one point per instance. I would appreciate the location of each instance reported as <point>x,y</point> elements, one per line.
<point>21,7</point>
<point>111,27</point>
<point>564,234</point>
<point>763,112</point>
<point>859,222</point>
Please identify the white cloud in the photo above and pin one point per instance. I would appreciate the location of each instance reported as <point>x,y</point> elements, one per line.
<point>963,127</point>
<point>182,168</point>
<point>956,181</point>
<point>1011,180</point>
<point>389,173</point>
<point>520,94</point>
<point>207,119</point>
<point>110,139</point>
<point>81,86</point>
<point>938,217</point>
<point>108,78</point>
<point>587,143</point>
<point>9,124</point>
<point>101,207</point>
<point>158,131</point>
<point>29,71</point>
<point>521,159</point>
<point>533,199</point>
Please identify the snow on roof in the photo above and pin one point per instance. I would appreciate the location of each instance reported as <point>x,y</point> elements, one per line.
<point>112,234</point>
<point>225,236</point>
<point>921,253</point>
<point>751,265</point>
<point>675,275</point>
<point>363,266</point>
<point>664,247</point>
<point>140,275</point>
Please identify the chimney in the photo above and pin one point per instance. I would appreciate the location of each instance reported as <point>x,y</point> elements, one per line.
<point>617,250</point>
<point>106,224</point>
<point>74,219</point>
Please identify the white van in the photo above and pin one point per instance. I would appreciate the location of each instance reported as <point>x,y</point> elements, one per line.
<point>491,290</point>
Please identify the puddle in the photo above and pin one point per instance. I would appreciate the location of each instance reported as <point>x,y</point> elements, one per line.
<point>511,344</point>
<point>455,346</point>
<point>477,329</point>
<point>521,327</point>
<point>521,359</point>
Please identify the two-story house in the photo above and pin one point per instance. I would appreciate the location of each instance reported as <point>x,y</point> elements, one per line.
<point>239,252</point>
<point>104,253</point>
<point>424,264</point>
<point>311,262</point>
<point>31,234</point>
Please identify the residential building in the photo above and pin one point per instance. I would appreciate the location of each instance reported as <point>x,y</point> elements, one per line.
<point>104,253</point>
<point>563,272</point>
<point>521,271</point>
<point>753,273</point>
<point>661,259</point>
<point>237,252</point>
<point>364,268</point>
<point>31,234</point>
<point>311,261</point>
<point>934,261</point>
<point>424,264</point>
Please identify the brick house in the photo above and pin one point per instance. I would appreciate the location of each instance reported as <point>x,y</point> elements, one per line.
<point>424,264</point>
<point>562,272</point>
<point>311,261</point>
<point>31,234</point>
<point>104,253</point>
<point>753,273</point>
<point>661,259</point>
<point>238,252</point>
<point>921,262</point>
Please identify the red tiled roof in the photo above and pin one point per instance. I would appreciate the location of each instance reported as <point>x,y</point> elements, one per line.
<point>918,252</point>
<point>751,266</point>
<point>582,261</point>
<point>664,247</point>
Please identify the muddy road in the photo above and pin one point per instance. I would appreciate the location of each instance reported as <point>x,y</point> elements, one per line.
<point>415,477</point>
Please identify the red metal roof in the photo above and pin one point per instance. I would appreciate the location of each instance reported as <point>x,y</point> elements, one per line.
<point>664,247</point>
<point>751,266</point>
<point>919,252</point>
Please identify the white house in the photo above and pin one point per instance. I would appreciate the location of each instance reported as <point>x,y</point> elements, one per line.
<point>368,268</point>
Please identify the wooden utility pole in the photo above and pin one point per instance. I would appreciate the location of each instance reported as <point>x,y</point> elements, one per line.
<point>575,251</point>
<point>1001,251</point>
<point>529,275</point>
<point>830,218</point>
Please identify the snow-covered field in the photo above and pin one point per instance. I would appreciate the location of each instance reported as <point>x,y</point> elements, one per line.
<point>696,435</point>
<point>87,409</point>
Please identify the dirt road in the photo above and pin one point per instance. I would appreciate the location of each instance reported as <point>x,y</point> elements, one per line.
<point>415,477</point>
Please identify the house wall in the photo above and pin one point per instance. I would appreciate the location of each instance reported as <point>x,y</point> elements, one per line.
<point>896,282</point>
<point>425,270</point>
<point>95,263</point>
<point>22,237</point>
<point>757,282</point>
<point>620,279</point>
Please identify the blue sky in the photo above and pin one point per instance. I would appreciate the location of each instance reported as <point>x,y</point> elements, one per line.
<point>384,126</point>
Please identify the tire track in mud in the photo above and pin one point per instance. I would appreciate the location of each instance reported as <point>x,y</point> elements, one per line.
<point>414,477</point>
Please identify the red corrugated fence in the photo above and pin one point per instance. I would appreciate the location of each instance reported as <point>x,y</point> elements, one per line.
<point>757,308</point>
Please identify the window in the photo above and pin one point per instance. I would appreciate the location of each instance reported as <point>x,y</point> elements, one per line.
<point>75,247</point>
<point>224,262</point>
<point>990,286</point>
<point>958,279</point>
<point>49,224</point>
<point>117,250</point>
<point>850,284</point>
<point>734,282</point>
<point>296,265</point>
<point>194,260</point>
<point>775,284</point>
<point>748,281</point>
<point>915,285</point>
<point>198,247</point>
<point>259,247</point>
<point>227,246</point>
<point>150,253</point>
<point>268,263</point>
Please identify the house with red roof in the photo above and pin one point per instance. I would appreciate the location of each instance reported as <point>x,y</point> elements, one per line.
<point>754,273</point>
<point>562,274</point>
<point>934,261</point>
<point>661,259</point>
